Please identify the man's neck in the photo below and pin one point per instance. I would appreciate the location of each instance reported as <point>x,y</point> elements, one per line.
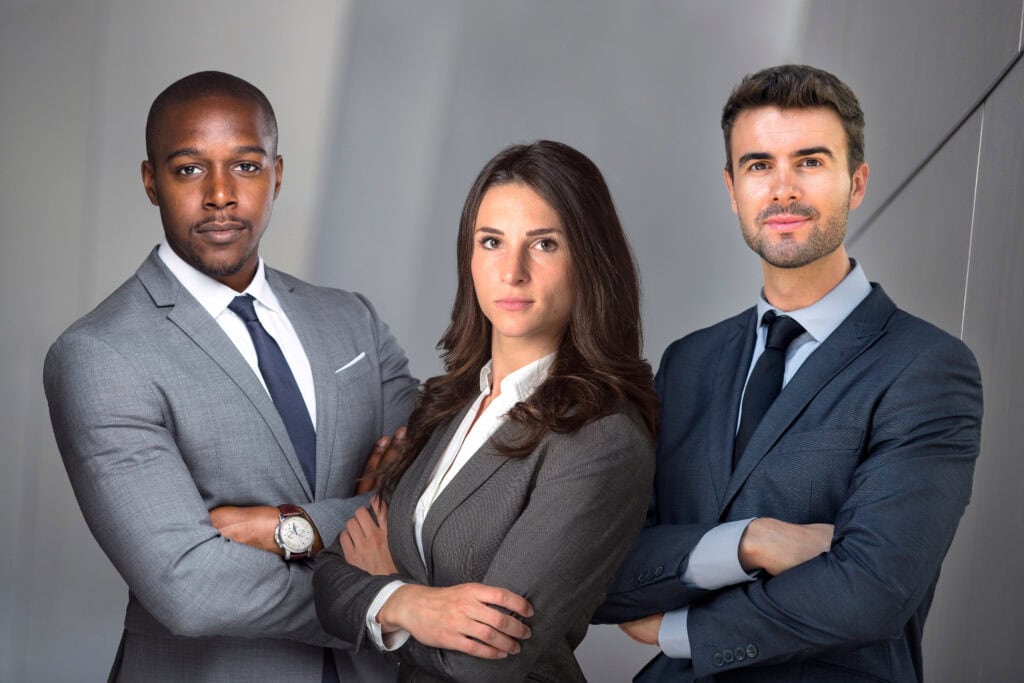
<point>790,289</point>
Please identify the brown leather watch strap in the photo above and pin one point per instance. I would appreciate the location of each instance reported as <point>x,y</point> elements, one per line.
<point>289,510</point>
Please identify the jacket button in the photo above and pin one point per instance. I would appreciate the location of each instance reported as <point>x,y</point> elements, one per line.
<point>718,660</point>
<point>727,656</point>
<point>751,651</point>
<point>659,570</point>
<point>741,654</point>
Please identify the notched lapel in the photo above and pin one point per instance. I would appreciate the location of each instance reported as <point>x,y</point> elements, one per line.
<point>480,467</point>
<point>194,321</point>
<point>853,337</point>
<point>402,534</point>
<point>316,341</point>
<point>730,375</point>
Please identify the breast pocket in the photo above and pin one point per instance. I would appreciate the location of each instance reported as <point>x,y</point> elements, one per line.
<point>807,474</point>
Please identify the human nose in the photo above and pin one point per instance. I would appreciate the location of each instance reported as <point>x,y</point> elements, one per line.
<point>514,268</point>
<point>786,187</point>
<point>220,190</point>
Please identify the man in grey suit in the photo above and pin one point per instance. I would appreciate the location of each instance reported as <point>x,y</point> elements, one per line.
<point>214,415</point>
<point>816,451</point>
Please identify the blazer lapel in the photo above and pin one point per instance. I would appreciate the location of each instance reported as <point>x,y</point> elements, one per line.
<point>475,472</point>
<point>855,335</point>
<point>402,534</point>
<point>305,319</point>
<point>727,386</point>
<point>195,322</point>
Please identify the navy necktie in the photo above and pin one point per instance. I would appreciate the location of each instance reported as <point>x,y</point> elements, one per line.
<point>765,381</point>
<point>283,389</point>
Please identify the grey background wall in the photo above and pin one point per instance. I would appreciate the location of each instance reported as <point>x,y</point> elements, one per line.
<point>387,111</point>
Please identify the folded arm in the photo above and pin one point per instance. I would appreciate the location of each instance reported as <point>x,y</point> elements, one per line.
<point>891,534</point>
<point>582,514</point>
<point>116,436</point>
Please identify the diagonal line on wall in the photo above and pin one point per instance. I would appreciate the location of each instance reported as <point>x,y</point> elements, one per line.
<point>856,235</point>
<point>974,209</point>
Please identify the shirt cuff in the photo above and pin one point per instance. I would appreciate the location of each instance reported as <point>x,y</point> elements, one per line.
<point>715,560</point>
<point>673,636</point>
<point>391,641</point>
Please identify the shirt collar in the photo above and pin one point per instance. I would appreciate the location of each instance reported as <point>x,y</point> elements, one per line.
<point>821,318</point>
<point>212,295</point>
<point>521,383</point>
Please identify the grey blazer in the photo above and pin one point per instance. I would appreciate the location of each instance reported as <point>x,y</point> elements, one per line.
<point>552,526</point>
<point>159,419</point>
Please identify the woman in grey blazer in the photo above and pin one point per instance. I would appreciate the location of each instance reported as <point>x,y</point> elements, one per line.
<point>527,468</point>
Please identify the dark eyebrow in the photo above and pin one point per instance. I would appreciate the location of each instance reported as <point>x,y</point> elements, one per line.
<point>811,151</point>
<point>754,156</point>
<point>251,149</point>
<point>541,231</point>
<point>183,152</point>
<point>529,233</point>
<point>194,152</point>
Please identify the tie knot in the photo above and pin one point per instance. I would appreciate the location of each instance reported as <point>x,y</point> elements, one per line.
<point>782,330</point>
<point>243,308</point>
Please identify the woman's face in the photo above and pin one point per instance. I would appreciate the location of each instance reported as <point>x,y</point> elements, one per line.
<point>522,271</point>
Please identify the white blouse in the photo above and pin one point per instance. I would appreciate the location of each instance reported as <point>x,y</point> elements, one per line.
<point>472,433</point>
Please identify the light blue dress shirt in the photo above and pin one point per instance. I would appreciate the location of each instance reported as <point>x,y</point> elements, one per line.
<point>714,561</point>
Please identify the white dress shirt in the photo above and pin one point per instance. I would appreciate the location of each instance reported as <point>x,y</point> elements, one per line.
<point>472,433</point>
<point>714,562</point>
<point>215,297</point>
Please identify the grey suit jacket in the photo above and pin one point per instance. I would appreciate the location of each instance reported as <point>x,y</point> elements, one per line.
<point>876,433</point>
<point>159,419</point>
<point>552,526</point>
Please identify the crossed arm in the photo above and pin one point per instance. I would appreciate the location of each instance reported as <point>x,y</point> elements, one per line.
<point>116,436</point>
<point>767,545</point>
<point>555,560</point>
<point>889,538</point>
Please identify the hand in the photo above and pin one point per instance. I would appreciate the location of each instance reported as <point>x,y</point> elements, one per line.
<point>462,618</point>
<point>384,452</point>
<point>776,546</point>
<point>644,630</point>
<point>364,542</point>
<point>253,526</point>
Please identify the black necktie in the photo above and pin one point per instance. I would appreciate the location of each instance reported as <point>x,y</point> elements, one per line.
<point>283,389</point>
<point>765,381</point>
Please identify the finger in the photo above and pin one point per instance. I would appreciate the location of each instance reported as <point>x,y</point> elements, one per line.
<point>486,635</point>
<point>501,597</point>
<point>348,548</point>
<point>503,624</point>
<point>373,460</point>
<point>365,520</point>
<point>380,511</point>
<point>474,648</point>
<point>355,529</point>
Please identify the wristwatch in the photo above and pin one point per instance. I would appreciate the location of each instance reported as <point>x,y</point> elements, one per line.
<point>294,533</point>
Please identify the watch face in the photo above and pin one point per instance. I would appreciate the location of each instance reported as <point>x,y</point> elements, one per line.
<point>296,534</point>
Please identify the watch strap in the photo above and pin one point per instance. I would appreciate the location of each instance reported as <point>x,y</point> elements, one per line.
<point>289,510</point>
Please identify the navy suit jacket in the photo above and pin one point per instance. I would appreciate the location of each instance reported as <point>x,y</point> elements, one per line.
<point>876,433</point>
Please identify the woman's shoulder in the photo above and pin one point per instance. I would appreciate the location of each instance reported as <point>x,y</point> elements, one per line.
<point>620,429</point>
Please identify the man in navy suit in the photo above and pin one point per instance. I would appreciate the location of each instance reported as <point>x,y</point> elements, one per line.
<point>796,534</point>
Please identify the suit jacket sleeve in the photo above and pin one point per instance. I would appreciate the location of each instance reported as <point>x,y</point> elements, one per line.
<point>116,436</point>
<point>650,579</point>
<point>398,391</point>
<point>583,512</point>
<point>891,534</point>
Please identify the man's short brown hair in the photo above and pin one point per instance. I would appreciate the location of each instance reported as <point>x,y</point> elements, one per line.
<point>795,86</point>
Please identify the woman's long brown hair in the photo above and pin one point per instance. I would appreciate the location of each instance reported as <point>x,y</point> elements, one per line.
<point>598,368</point>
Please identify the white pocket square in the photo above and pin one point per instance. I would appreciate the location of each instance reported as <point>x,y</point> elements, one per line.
<point>352,362</point>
